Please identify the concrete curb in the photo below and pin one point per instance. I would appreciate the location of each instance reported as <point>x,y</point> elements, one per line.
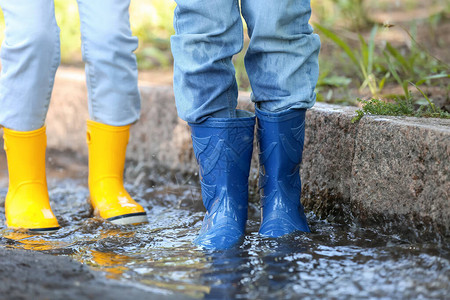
<point>392,171</point>
<point>388,171</point>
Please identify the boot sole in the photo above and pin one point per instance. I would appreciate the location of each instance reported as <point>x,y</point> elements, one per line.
<point>128,219</point>
<point>44,230</point>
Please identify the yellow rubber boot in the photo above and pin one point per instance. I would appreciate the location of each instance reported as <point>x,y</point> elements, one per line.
<point>27,204</point>
<point>107,148</point>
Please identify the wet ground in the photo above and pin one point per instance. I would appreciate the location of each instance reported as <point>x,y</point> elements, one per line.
<point>335,261</point>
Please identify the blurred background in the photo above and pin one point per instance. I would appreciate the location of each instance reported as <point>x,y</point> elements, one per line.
<point>392,50</point>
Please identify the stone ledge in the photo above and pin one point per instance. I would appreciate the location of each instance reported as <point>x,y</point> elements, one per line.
<point>393,171</point>
<point>401,170</point>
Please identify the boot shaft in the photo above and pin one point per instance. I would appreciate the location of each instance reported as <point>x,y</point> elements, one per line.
<point>107,149</point>
<point>25,153</point>
<point>223,149</point>
<point>280,140</point>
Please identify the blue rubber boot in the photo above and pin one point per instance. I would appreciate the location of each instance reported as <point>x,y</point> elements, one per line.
<point>223,148</point>
<point>280,139</point>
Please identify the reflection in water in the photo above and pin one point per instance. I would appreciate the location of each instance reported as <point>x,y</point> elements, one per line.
<point>334,261</point>
<point>224,275</point>
<point>109,262</point>
<point>25,240</point>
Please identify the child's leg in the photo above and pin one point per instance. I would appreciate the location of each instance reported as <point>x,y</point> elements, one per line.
<point>282,64</point>
<point>282,59</point>
<point>208,34</point>
<point>111,68</point>
<point>114,104</point>
<point>30,56</point>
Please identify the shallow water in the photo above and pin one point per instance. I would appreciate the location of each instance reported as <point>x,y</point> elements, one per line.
<point>335,261</point>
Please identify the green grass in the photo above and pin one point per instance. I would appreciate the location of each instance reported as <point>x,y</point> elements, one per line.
<point>152,23</point>
<point>400,107</point>
<point>69,23</point>
<point>351,14</point>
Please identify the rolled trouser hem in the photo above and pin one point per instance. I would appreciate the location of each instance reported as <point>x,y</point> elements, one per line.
<point>115,124</point>
<point>117,113</point>
<point>107,127</point>
<point>265,106</point>
<point>21,126</point>
<point>243,118</point>
<point>28,133</point>
<point>279,116</point>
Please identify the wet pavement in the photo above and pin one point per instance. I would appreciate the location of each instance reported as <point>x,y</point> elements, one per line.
<point>334,261</point>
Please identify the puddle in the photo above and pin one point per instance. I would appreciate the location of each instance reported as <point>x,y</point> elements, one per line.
<point>335,261</point>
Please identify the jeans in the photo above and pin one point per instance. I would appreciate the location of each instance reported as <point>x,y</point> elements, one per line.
<point>281,61</point>
<point>30,55</point>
